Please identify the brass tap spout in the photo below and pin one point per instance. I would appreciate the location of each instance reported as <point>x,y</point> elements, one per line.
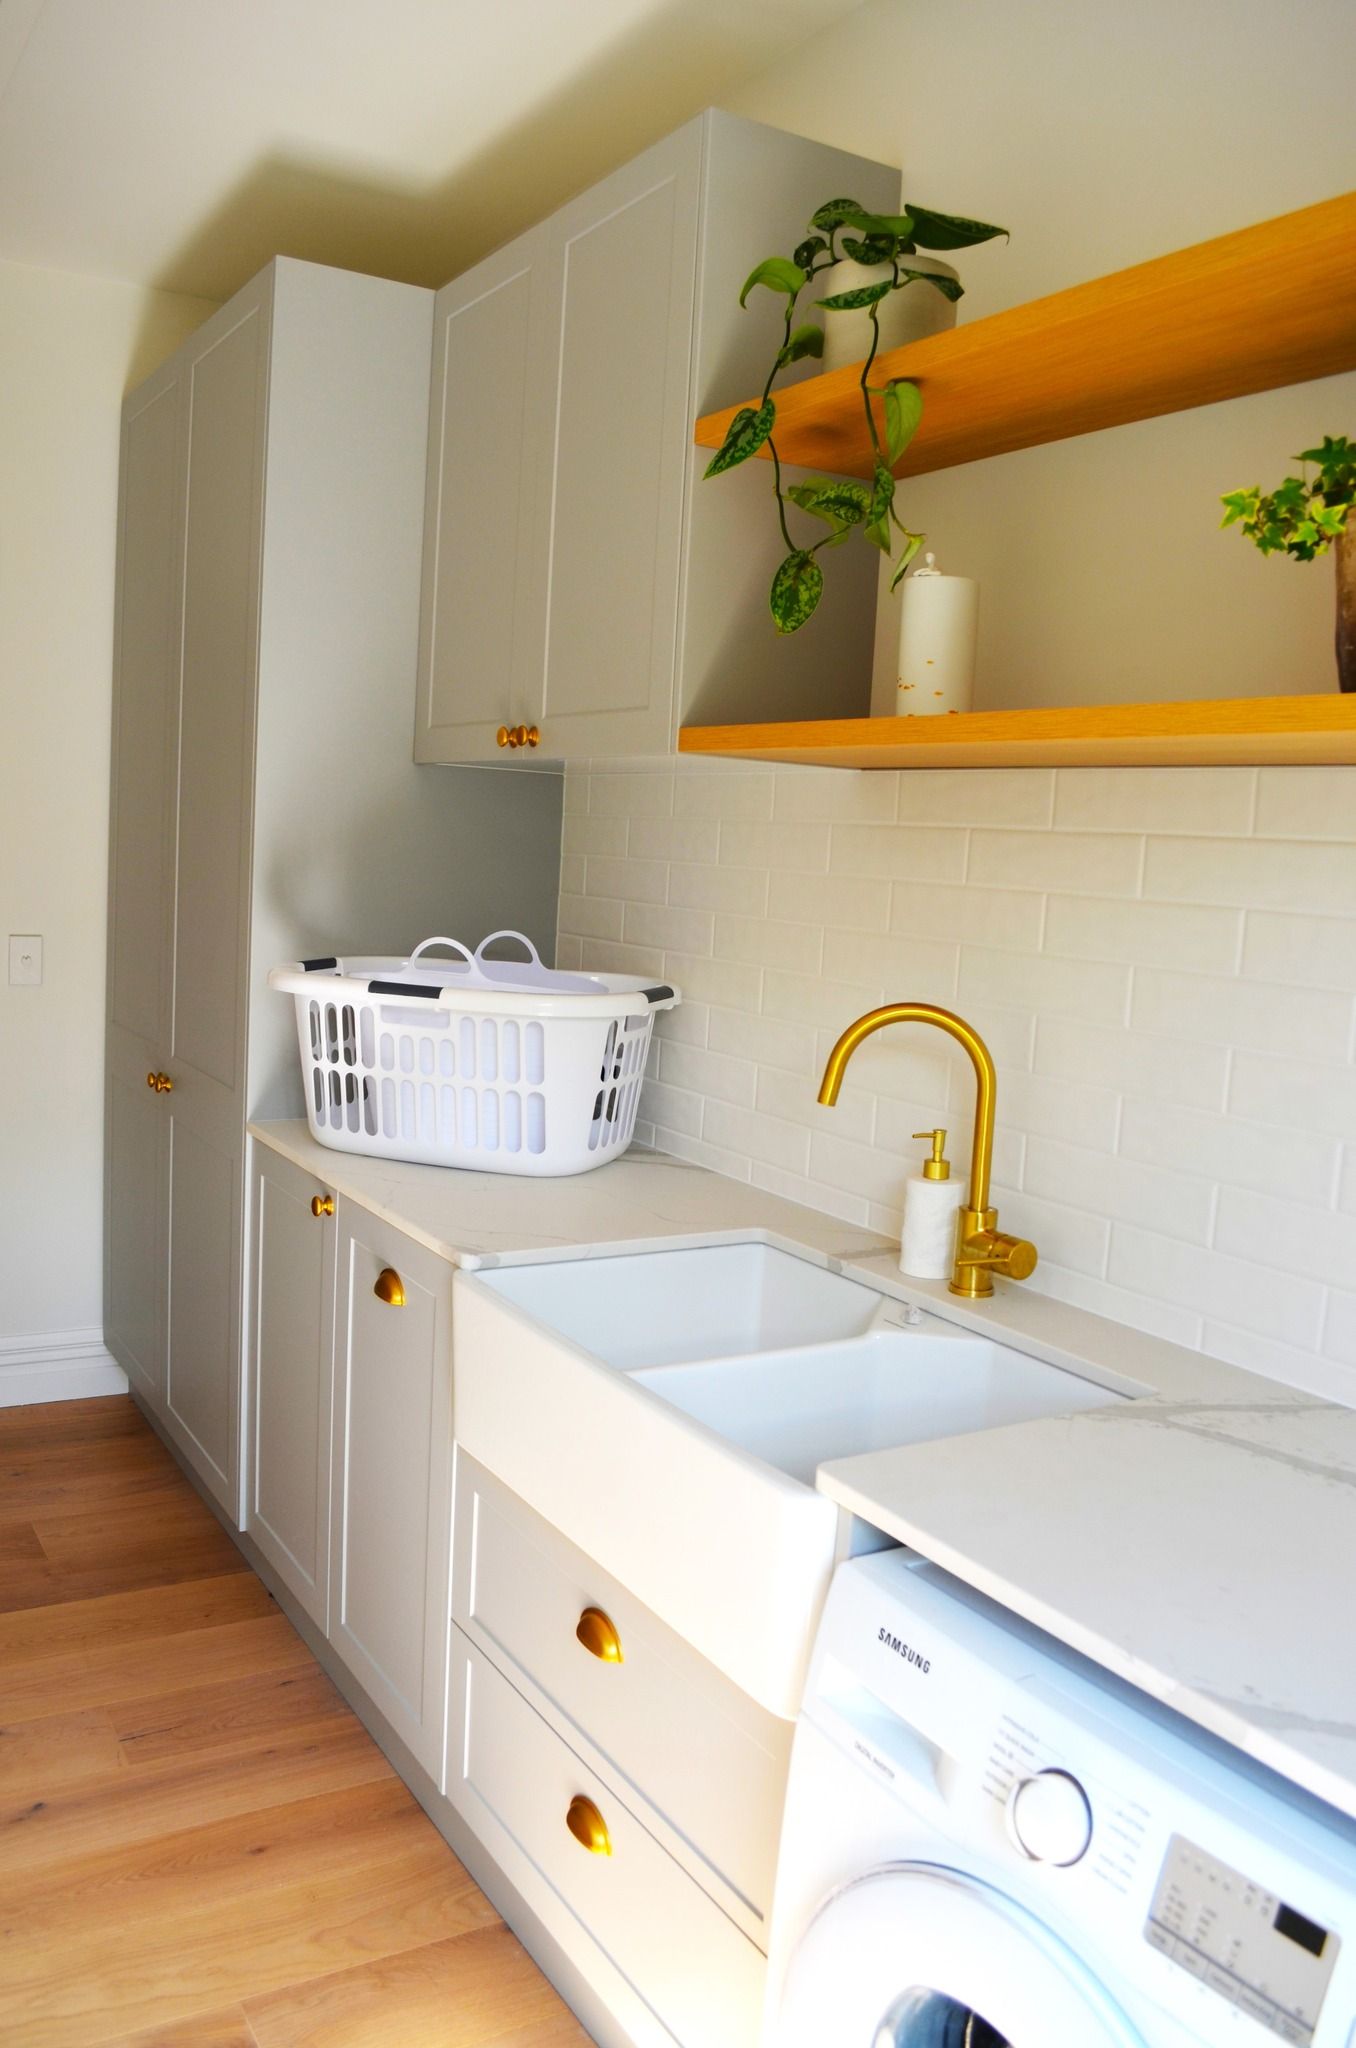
<point>981,1249</point>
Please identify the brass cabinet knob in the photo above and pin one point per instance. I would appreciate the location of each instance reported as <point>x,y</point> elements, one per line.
<point>530,736</point>
<point>161,1083</point>
<point>150,1080</point>
<point>517,736</point>
<point>322,1205</point>
<point>587,1825</point>
<point>390,1288</point>
<point>505,737</point>
<point>599,1636</point>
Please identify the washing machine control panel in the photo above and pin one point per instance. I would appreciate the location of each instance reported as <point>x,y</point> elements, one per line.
<point>1240,1939</point>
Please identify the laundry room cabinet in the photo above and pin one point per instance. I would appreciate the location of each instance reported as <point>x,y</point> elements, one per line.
<point>349,1494</point>
<point>581,582</point>
<point>264,805</point>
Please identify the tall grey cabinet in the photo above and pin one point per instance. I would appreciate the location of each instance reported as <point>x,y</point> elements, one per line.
<point>264,804</point>
<point>580,577</point>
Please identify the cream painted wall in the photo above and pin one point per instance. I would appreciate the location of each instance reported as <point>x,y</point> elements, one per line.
<point>1103,136</point>
<point>69,348</point>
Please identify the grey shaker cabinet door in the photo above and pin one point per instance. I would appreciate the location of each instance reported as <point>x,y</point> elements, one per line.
<point>626,255</point>
<point>287,1502</point>
<point>391,1520</point>
<point>483,611</point>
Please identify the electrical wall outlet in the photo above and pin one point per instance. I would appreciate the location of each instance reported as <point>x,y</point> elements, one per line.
<point>25,959</point>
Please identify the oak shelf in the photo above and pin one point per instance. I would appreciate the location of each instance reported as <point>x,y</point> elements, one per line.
<point>1235,731</point>
<point>1270,305</point>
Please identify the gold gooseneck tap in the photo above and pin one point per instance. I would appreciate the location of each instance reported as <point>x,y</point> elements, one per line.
<point>982,1249</point>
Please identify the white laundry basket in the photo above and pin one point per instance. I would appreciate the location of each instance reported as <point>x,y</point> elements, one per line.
<point>508,1066</point>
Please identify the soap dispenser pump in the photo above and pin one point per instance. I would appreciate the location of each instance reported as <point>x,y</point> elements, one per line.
<point>932,1201</point>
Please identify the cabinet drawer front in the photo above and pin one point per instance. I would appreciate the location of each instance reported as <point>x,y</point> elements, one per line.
<point>707,1758</point>
<point>689,1962</point>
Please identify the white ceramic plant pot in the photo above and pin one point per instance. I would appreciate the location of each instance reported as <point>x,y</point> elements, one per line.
<point>908,315</point>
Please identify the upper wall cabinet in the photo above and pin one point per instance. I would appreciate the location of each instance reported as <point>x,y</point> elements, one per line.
<point>579,578</point>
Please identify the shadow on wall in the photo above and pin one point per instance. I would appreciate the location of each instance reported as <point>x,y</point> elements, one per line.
<point>648,81</point>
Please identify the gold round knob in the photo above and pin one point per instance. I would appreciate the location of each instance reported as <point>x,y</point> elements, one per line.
<point>599,1636</point>
<point>161,1083</point>
<point>507,736</point>
<point>322,1205</point>
<point>390,1288</point>
<point>151,1080</point>
<point>530,734</point>
<point>587,1825</point>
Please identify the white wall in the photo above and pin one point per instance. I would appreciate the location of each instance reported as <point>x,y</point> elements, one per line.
<point>1103,136</point>
<point>1163,962</point>
<point>69,348</point>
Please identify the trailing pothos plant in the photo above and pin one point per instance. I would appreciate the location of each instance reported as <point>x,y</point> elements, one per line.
<point>844,504</point>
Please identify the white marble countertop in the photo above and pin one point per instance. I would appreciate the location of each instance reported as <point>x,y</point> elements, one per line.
<point>1199,1541</point>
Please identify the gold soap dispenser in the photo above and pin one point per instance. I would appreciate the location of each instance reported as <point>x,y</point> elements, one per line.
<point>932,1201</point>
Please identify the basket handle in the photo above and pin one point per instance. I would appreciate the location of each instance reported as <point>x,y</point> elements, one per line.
<point>455,944</point>
<point>534,957</point>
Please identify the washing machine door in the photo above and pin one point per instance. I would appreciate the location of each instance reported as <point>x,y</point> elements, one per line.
<point>917,1956</point>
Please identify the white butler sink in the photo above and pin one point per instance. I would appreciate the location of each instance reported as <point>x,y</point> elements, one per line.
<point>667,1410</point>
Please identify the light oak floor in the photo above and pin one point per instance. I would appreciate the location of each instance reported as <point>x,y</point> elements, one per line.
<point>200,1846</point>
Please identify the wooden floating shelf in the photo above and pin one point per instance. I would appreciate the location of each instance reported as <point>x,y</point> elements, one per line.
<point>1234,731</point>
<point>1273,304</point>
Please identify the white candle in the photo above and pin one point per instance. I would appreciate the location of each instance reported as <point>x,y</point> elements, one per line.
<point>938,622</point>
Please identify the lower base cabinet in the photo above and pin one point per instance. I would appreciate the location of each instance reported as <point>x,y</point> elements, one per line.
<point>627,1789</point>
<point>349,1493</point>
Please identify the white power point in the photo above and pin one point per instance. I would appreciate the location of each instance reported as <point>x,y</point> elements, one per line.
<point>25,960</point>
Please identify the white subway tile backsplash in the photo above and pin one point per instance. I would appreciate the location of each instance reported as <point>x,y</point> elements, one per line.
<point>838,901</point>
<point>998,796</point>
<point>1150,934</point>
<point>1185,800</point>
<point>1230,1149</point>
<point>1299,1024</point>
<point>1162,961</point>
<point>1256,874</point>
<point>1101,865</point>
<point>1313,952</point>
<point>714,888</point>
<point>799,947</point>
<point>1132,1063</point>
<point>900,853</point>
<point>1178,1204</point>
<point>1301,1092</point>
<point>984,917</point>
<point>1093,989</point>
<point>1222,1289</point>
<point>1305,803</point>
<point>803,848</point>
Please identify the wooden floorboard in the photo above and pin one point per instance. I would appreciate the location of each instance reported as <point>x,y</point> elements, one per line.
<point>200,1846</point>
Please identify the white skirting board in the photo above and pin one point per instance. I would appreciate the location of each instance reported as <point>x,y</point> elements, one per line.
<point>57,1365</point>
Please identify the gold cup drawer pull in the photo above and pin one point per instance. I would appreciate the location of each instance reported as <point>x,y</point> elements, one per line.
<point>322,1205</point>
<point>587,1825</point>
<point>390,1288</point>
<point>598,1634</point>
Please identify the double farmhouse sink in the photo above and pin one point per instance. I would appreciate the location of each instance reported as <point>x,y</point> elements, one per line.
<point>667,1411</point>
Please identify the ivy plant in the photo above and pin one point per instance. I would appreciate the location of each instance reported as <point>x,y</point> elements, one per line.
<point>843,504</point>
<point>1304,515</point>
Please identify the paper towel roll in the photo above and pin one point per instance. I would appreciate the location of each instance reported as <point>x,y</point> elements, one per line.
<point>928,1247</point>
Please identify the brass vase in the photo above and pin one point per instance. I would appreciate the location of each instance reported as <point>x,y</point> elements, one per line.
<point>1346,604</point>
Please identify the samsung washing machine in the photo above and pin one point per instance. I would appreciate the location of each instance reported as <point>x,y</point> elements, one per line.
<point>989,1843</point>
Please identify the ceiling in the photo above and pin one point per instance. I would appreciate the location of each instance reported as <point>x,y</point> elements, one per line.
<point>182,143</point>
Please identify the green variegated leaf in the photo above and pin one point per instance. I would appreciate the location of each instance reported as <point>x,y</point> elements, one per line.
<point>871,248</point>
<point>903,411</point>
<point>948,230</point>
<point>882,493</point>
<point>861,295</point>
<point>806,251</point>
<point>841,213</point>
<point>778,273</point>
<point>912,543</point>
<point>839,500</point>
<point>806,341</point>
<point>949,287</point>
<point>744,436</point>
<point>796,590</point>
